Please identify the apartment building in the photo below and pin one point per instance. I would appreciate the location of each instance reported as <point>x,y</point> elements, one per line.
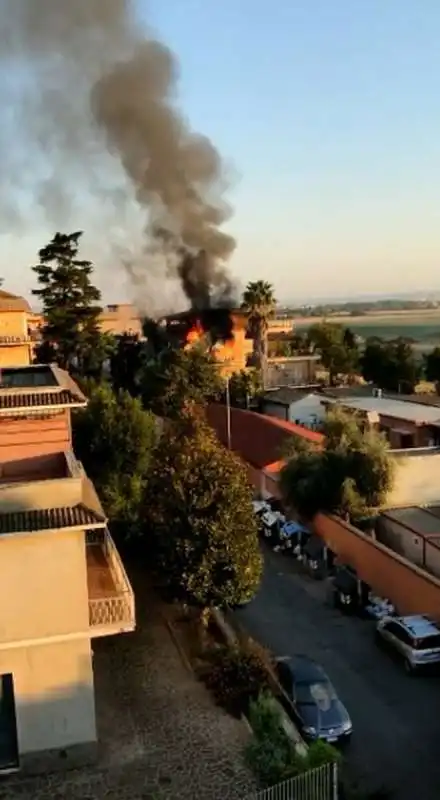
<point>16,341</point>
<point>62,582</point>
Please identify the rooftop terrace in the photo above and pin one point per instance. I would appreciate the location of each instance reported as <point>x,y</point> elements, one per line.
<point>37,387</point>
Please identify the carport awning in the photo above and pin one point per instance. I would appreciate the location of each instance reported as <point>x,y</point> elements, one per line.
<point>314,547</point>
<point>345,581</point>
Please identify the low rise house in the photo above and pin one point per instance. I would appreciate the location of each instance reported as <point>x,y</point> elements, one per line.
<point>231,347</point>
<point>63,582</point>
<point>120,318</point>
<point>301,406</point>
<point>292,371</point>
<point>406,424</point>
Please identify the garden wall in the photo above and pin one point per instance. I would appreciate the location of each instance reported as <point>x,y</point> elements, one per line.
<point>410,589</point>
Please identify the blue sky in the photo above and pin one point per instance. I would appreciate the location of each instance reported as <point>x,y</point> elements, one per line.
<point>329,113</point>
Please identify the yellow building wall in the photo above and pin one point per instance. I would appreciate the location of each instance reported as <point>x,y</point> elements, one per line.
<point>15,355</point>
<point>13,323</point>
<point>43,585</point>
<point>54,699</point>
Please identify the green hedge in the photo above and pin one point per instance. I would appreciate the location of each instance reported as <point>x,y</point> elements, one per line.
<point>272,755</point>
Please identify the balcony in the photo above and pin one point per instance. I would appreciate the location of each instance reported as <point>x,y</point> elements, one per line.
<point>111,598</point>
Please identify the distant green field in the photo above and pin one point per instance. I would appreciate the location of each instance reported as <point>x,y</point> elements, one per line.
<point>425,331</point>
<point>419,332</point>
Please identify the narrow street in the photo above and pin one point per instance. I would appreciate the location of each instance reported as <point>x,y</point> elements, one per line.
<point>396,740</point>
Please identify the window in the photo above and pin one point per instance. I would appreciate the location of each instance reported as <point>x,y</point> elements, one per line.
<point>395,629</point>
<point>406,441</point>
<point>320,694</point>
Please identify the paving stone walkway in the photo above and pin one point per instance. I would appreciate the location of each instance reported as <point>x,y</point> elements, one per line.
<point>161,736</point>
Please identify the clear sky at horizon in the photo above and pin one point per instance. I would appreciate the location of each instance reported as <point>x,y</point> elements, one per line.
<point>329,113</point>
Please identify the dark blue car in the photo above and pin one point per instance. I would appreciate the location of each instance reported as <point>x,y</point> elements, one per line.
<point>320,713</point>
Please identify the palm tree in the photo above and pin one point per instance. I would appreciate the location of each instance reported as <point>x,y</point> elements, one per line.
<point>259,301</point>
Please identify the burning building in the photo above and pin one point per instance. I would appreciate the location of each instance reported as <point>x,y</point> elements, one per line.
<point>225,329</point>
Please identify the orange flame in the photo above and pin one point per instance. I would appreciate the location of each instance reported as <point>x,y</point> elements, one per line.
<point>195,333</point>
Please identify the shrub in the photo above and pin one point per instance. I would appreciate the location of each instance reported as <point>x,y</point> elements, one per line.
<point>270,751</point>
<point>236,676</point>
<point>269,759</point>
<point>272,755</point>
<point>318,754</point>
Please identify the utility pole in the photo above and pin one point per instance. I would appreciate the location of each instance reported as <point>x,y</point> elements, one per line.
<point>228,412</point>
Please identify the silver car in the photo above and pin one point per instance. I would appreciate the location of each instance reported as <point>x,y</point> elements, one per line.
<point>416,639</point>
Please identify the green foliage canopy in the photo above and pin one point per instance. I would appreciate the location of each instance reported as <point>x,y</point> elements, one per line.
<point>204,533</point>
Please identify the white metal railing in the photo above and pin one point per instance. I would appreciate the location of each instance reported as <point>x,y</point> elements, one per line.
<point>315,784</point>
<point>117,609</point>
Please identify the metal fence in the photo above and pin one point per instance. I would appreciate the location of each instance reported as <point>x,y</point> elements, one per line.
<point>315,784</point>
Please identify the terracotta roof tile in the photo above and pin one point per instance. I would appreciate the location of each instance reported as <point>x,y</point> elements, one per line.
<point>17,400</point>
<point>49,519</point>
<point>13,302</point>
<point>257,438</point>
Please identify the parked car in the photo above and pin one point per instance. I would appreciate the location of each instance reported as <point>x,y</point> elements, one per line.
<point>320,713</point>
<point>415,639</point>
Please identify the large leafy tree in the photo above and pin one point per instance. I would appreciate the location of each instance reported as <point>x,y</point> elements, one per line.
<point>203,530</point>
<point>391,365</point>
<point>174,377</point>
<point>71,307</point>
<point>244,387</point>
<point>126,363</point>
<point>259,302</point>
<point>351,475</point>
<point>114,437</point>
<point>337,348</point>
<point>432,367</point>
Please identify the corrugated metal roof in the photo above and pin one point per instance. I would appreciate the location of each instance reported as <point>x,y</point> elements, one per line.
<point>77,516</point>
<point>286,395</point>
<point>398,409</point>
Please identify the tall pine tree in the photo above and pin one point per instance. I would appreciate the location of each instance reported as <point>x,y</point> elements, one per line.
<point>70,302</point>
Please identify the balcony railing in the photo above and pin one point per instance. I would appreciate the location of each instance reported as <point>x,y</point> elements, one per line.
<point>111,598</point>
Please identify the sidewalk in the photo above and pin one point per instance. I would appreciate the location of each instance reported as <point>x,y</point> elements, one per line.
<point>161,736</point>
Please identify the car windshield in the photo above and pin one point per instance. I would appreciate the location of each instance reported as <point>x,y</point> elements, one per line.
<point>318,693</point>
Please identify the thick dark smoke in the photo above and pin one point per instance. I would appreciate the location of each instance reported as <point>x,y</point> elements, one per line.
<point>94,90</point>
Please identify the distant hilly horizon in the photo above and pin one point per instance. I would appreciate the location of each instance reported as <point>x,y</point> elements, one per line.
<point>425,294</point>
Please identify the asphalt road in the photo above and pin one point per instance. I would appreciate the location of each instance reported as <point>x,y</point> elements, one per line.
<point>396,717</point>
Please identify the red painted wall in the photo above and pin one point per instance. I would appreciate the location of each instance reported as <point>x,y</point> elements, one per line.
<point>24,438</point>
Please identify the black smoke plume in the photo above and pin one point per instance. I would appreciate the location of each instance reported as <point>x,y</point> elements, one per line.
<point>97,95</point>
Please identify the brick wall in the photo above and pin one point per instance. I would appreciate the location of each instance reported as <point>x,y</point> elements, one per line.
<point>410,589</point>
<point>24,438</point>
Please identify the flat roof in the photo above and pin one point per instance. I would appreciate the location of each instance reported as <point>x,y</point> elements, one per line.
<point>286,395</point>
<point>37,387</point>
<point>420,520</point>
<point>27,377</point>
<point>399,409</point>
